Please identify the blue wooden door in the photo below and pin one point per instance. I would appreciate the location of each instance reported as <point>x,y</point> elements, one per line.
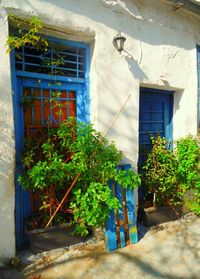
<point>34,110</point>
<point>121,228</point>
<point>155,118</point>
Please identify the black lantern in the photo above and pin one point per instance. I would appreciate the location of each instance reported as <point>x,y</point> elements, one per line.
<point>118,42</point>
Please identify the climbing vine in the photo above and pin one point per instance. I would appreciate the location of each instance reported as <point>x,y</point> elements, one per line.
<point>27,37</point>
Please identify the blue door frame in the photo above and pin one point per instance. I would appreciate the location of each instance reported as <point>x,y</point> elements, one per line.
<point>21,79</point>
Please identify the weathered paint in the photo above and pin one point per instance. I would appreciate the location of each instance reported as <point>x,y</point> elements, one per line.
<point>160,53</point>
<point>121,226</point>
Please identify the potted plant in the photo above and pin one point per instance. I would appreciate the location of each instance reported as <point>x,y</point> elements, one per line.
<point>161,183</point>
<point>51,166</point>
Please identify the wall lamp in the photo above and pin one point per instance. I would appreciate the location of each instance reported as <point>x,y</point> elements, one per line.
<point>118,42</point>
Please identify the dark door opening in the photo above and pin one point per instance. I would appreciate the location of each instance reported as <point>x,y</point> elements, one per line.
<point>155,118</point>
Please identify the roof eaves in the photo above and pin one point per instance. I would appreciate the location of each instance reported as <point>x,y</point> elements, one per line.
<point>191,5</point>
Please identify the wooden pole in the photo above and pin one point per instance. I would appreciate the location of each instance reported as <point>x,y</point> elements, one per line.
<point>92,154</point>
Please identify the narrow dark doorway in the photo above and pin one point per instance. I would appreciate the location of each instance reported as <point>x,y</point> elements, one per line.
<point>155,118</point>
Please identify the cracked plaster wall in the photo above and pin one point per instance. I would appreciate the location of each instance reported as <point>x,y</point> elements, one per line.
<point>160,52</point>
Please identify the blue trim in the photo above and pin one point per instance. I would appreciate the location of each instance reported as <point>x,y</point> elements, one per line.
<point>66,42</point>
<point>158,91</point>
<point>48,77</point>
<point>18,232</point>
<point>198,92</point>
<point>22,207</point>
<point>87,84</point>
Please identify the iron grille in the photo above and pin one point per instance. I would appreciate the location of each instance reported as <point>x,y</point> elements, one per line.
<point>68,61</point>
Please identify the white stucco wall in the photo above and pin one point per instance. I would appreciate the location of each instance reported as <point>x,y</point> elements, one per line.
<point>7,193</point>
<point>160,53</point>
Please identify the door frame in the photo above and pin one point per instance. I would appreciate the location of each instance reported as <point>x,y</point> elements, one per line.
<point>22,203</point>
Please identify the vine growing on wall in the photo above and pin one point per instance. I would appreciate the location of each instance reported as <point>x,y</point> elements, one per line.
<point>30,36</point>
<point>27,37</point>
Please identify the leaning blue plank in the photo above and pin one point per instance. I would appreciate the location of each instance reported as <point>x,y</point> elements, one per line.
<point>131,215</point>
<point>131,211</point>
<point>121,216</point>
<point>110,230</point>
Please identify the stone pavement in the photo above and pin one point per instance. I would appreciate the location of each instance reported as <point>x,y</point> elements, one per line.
<point>171,250</point>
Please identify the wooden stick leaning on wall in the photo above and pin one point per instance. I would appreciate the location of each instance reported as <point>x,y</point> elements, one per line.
<point>92,154</point>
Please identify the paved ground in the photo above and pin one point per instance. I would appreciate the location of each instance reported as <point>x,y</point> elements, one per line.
<point>171,250</point>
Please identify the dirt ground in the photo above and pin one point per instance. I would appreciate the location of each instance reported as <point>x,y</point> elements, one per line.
<point>170,250</point>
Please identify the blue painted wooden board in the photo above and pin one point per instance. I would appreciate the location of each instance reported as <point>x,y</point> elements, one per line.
<point>120,221</point>
<point>120,215</point>
<point>110,231</point>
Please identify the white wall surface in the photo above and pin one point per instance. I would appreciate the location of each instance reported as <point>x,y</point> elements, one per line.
<point>7,193</point>
<point>160,53</point>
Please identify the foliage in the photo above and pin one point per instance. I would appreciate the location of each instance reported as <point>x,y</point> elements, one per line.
<point>188,154</point>
<point>160,173</point>
<point>71,149</point>
<point>174,176</point>
<point>28,37</point>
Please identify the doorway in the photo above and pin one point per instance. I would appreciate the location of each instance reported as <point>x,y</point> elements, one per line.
<point>155,118</point>
<point>45,94</point>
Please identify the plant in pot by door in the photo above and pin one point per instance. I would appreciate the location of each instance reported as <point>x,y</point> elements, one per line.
<point>52,166</point>
<point>160,179</point>
<point>174,178</point>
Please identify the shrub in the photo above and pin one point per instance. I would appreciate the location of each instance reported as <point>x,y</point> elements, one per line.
<point>66,152</point>
<point>174,176</point>
<point>160,171</point>
<point>188,155</point>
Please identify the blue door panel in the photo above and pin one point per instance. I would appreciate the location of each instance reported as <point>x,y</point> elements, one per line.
<point>155,118</point>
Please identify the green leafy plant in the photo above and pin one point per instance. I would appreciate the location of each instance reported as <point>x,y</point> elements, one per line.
<point>174,175</point>
<point>188,155</point>
<point>27,36</point>
<point>71,149</point>
<point>160,173</point>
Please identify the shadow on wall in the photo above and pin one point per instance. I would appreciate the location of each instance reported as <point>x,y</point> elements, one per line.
<point>134,67</point>
<point>116,16</point>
